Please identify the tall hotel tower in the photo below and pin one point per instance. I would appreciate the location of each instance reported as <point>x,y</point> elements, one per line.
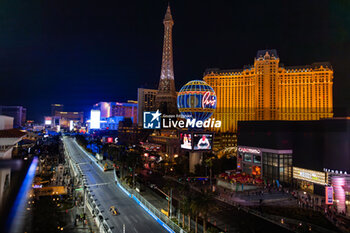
<point>166,96</point>
<point>269,91</point>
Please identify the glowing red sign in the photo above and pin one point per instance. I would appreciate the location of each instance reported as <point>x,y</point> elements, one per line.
<point>110,140</point>
<point>208,99</point>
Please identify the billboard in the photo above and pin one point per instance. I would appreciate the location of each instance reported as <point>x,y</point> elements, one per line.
<point>48,120</point>
<point>315,177</point>
<point>71,125</point>
<point>95,119</point>
<point>186,141</point>
<point>202,141</point>
<point>329,195</point>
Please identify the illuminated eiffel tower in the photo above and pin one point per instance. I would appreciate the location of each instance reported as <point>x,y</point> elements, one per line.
<point>166,95</point>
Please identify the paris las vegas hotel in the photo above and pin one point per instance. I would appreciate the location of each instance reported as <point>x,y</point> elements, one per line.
<point>270,91</point>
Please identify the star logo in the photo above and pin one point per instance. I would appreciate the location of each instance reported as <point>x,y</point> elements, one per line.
<point>155,115</point>
<point>151,120</point>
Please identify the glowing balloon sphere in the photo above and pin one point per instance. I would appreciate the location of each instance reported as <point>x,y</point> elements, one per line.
<point>196,100</point>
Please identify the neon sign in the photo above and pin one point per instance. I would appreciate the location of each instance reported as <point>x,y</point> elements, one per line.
<point>329,195</point>
<point>208,99</point>
<point>249,150</point>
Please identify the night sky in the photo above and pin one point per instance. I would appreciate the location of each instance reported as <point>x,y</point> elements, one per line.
<point>82,52</point>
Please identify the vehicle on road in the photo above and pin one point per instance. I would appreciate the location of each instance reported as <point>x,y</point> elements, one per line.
<point>113,210</point>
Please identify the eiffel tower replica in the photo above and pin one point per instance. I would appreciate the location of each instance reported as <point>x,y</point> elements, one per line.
<point>166,95</point>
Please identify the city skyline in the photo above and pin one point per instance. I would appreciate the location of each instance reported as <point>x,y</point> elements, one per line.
<point>174,116</point>
<point>77,55</point>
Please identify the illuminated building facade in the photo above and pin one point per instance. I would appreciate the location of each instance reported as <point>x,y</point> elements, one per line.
<point>116,109</point>
<point>56,108</point>
<point>309,155</point>
<point>64,119</point>
<point>269,91</point>
<point>146,99</point>
<point>127,110</point>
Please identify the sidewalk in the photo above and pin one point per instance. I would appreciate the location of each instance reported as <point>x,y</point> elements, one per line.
<point>256,197</point>
<point>81,225</point>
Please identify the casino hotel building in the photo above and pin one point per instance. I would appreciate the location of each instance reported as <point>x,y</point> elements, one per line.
<point>270,91</point>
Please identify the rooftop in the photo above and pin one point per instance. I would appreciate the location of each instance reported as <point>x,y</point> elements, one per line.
<point>11,133</point>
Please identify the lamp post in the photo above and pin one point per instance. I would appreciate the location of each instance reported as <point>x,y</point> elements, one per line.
<point>169,197</point>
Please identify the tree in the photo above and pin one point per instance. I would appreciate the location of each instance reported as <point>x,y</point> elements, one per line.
<point>186,209</point>
<point>133,161</point>
<point>195,209</point>
<point>203,204</point>
<point>81,140</point>
<point>209,163</point>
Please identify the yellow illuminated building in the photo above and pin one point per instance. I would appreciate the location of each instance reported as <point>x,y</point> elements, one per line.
<point>269,91</point>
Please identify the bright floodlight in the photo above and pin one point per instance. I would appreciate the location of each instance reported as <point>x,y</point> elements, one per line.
<point>95,119</point>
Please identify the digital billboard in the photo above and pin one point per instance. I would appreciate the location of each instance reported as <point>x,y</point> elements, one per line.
<point>71,125</point>
<point>95,119</point>
<point>186,141</point>
<point>202,141</point>
<point>310,175</point>
<point>48,120</point>
<point>329,195</point>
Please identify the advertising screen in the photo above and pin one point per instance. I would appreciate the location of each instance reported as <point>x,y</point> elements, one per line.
<point>186,141</point>
<point>329,195</point>
<point>71,125</point>
<point>202,141</point>
<point>95,119</point>
<point>48,120</point>
<point>310,175</point>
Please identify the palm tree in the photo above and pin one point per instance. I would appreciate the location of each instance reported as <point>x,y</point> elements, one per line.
<point>185,203</point>
<point>195,209</point>
<point>208,206</point>
<point>209,163</point>
<point>133,161</point>
<point>187,210</point>
<point>203,204</point>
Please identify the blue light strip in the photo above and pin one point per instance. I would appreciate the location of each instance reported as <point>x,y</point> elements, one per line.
<point>124,190</point>
<point>155,217</point>
<point>21,196</point>
<point>146,209</point>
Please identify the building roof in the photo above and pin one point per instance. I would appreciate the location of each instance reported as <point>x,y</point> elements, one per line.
<point>315,65</point>
<point>271,52</point>
<point>220,71</point>
<point>11,133</point>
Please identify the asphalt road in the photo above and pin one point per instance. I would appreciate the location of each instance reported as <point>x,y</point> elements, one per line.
<point>107,193</point>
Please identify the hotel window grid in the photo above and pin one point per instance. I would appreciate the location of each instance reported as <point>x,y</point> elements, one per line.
<point>270,92</point>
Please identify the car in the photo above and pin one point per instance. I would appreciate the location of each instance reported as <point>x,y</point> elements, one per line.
<point>113,211</point>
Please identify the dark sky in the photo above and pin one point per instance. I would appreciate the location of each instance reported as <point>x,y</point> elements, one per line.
<point>82,52</point>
